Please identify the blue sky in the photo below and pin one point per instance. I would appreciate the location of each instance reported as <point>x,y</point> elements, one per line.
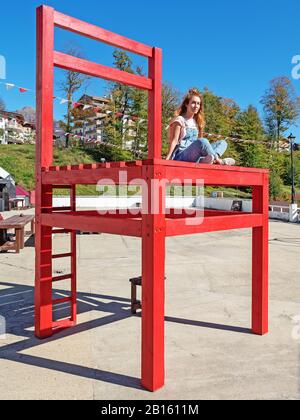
<point>235,48</point>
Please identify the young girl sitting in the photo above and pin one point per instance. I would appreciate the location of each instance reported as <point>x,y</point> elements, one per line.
<point>186,135</point>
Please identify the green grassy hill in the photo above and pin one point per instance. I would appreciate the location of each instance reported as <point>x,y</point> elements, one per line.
<point>19,161</point>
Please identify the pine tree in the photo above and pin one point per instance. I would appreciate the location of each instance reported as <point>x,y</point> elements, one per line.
<point>249,125</point>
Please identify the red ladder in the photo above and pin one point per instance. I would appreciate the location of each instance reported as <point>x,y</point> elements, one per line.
<point>47,265</point>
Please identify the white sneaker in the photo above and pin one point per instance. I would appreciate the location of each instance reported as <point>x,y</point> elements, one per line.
<point>228,161</point>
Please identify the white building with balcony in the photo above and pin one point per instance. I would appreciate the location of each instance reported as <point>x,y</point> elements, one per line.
<point>91,128</point>
<point>14,129</point>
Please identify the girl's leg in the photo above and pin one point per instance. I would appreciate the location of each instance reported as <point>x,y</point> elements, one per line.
<point>220,147</point>
<point>199,151</point>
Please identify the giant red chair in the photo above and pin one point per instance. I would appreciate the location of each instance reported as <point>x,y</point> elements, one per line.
<point>152,228</point>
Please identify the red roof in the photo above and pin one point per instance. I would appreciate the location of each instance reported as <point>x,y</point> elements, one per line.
<point>22,191</point>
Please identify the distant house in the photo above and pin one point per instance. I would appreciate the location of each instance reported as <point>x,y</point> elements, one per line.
<point>15,130</point>
<point>21,193</point>
<point>91,129</point>
<point>29,132</point>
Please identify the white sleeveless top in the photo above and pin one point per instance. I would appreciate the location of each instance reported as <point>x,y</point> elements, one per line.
<point>189,131</point>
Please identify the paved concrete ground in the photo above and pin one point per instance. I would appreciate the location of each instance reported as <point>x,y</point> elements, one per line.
<point>209,350</point>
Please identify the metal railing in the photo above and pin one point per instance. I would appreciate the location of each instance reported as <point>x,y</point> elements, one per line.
<point>280,209</point>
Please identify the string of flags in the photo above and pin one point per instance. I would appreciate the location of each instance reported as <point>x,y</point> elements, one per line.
<point>84,106</point>
<point>10,86</point>
<point>62,101</point>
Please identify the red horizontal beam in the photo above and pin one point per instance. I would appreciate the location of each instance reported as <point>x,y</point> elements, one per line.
<point>78,65</point>
<point>60,231</point>
<point>94,32</point>
<point>134,213</point>
<point>171,213</point>
<point>58,209</point>
<point>90,176</point>
<point>61,278</point>
<point>61,325</point>
<point>179,164</point>
<point>209,212</point>
<point>112,213</point>
<point>212,224</point>
<point>102,224</point>
<point>58,256</point>
<point>63,300</point>
<point>211,175</point>
<point>62,187</point>
<point>84,166</point>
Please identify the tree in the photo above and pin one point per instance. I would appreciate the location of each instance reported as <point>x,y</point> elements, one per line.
<point>220,113</point>
<point>213,112</point>
<point>120,104</point>
<point>276,166</point>
<point>170,103</point>
<point>133,102</point>
<point>281,107</point>
<point>249,125</point>
<point>2,105</point>
<point>229,113</point>
<point>139,118</point>
<point>70,84</point>
<point>288,170</point>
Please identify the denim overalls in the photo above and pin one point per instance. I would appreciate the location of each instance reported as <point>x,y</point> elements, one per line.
<point>194,149</point>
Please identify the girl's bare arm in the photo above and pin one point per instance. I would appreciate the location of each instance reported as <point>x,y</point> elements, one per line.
<point>175,130</point>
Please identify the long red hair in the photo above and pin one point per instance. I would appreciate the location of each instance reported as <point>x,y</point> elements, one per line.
<point>199,117</point>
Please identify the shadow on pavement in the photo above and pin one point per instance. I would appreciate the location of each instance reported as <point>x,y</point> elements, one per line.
<point>17,307</point>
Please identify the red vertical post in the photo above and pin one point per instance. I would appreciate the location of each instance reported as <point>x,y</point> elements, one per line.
<point>155,106</point>
<point>44,157</point>
<point>153,274</point>
<point>153,241</point>
<point>73,260</point>
<point>260,260</point>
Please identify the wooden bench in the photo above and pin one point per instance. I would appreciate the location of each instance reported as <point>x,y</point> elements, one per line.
<point>17,223</point>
